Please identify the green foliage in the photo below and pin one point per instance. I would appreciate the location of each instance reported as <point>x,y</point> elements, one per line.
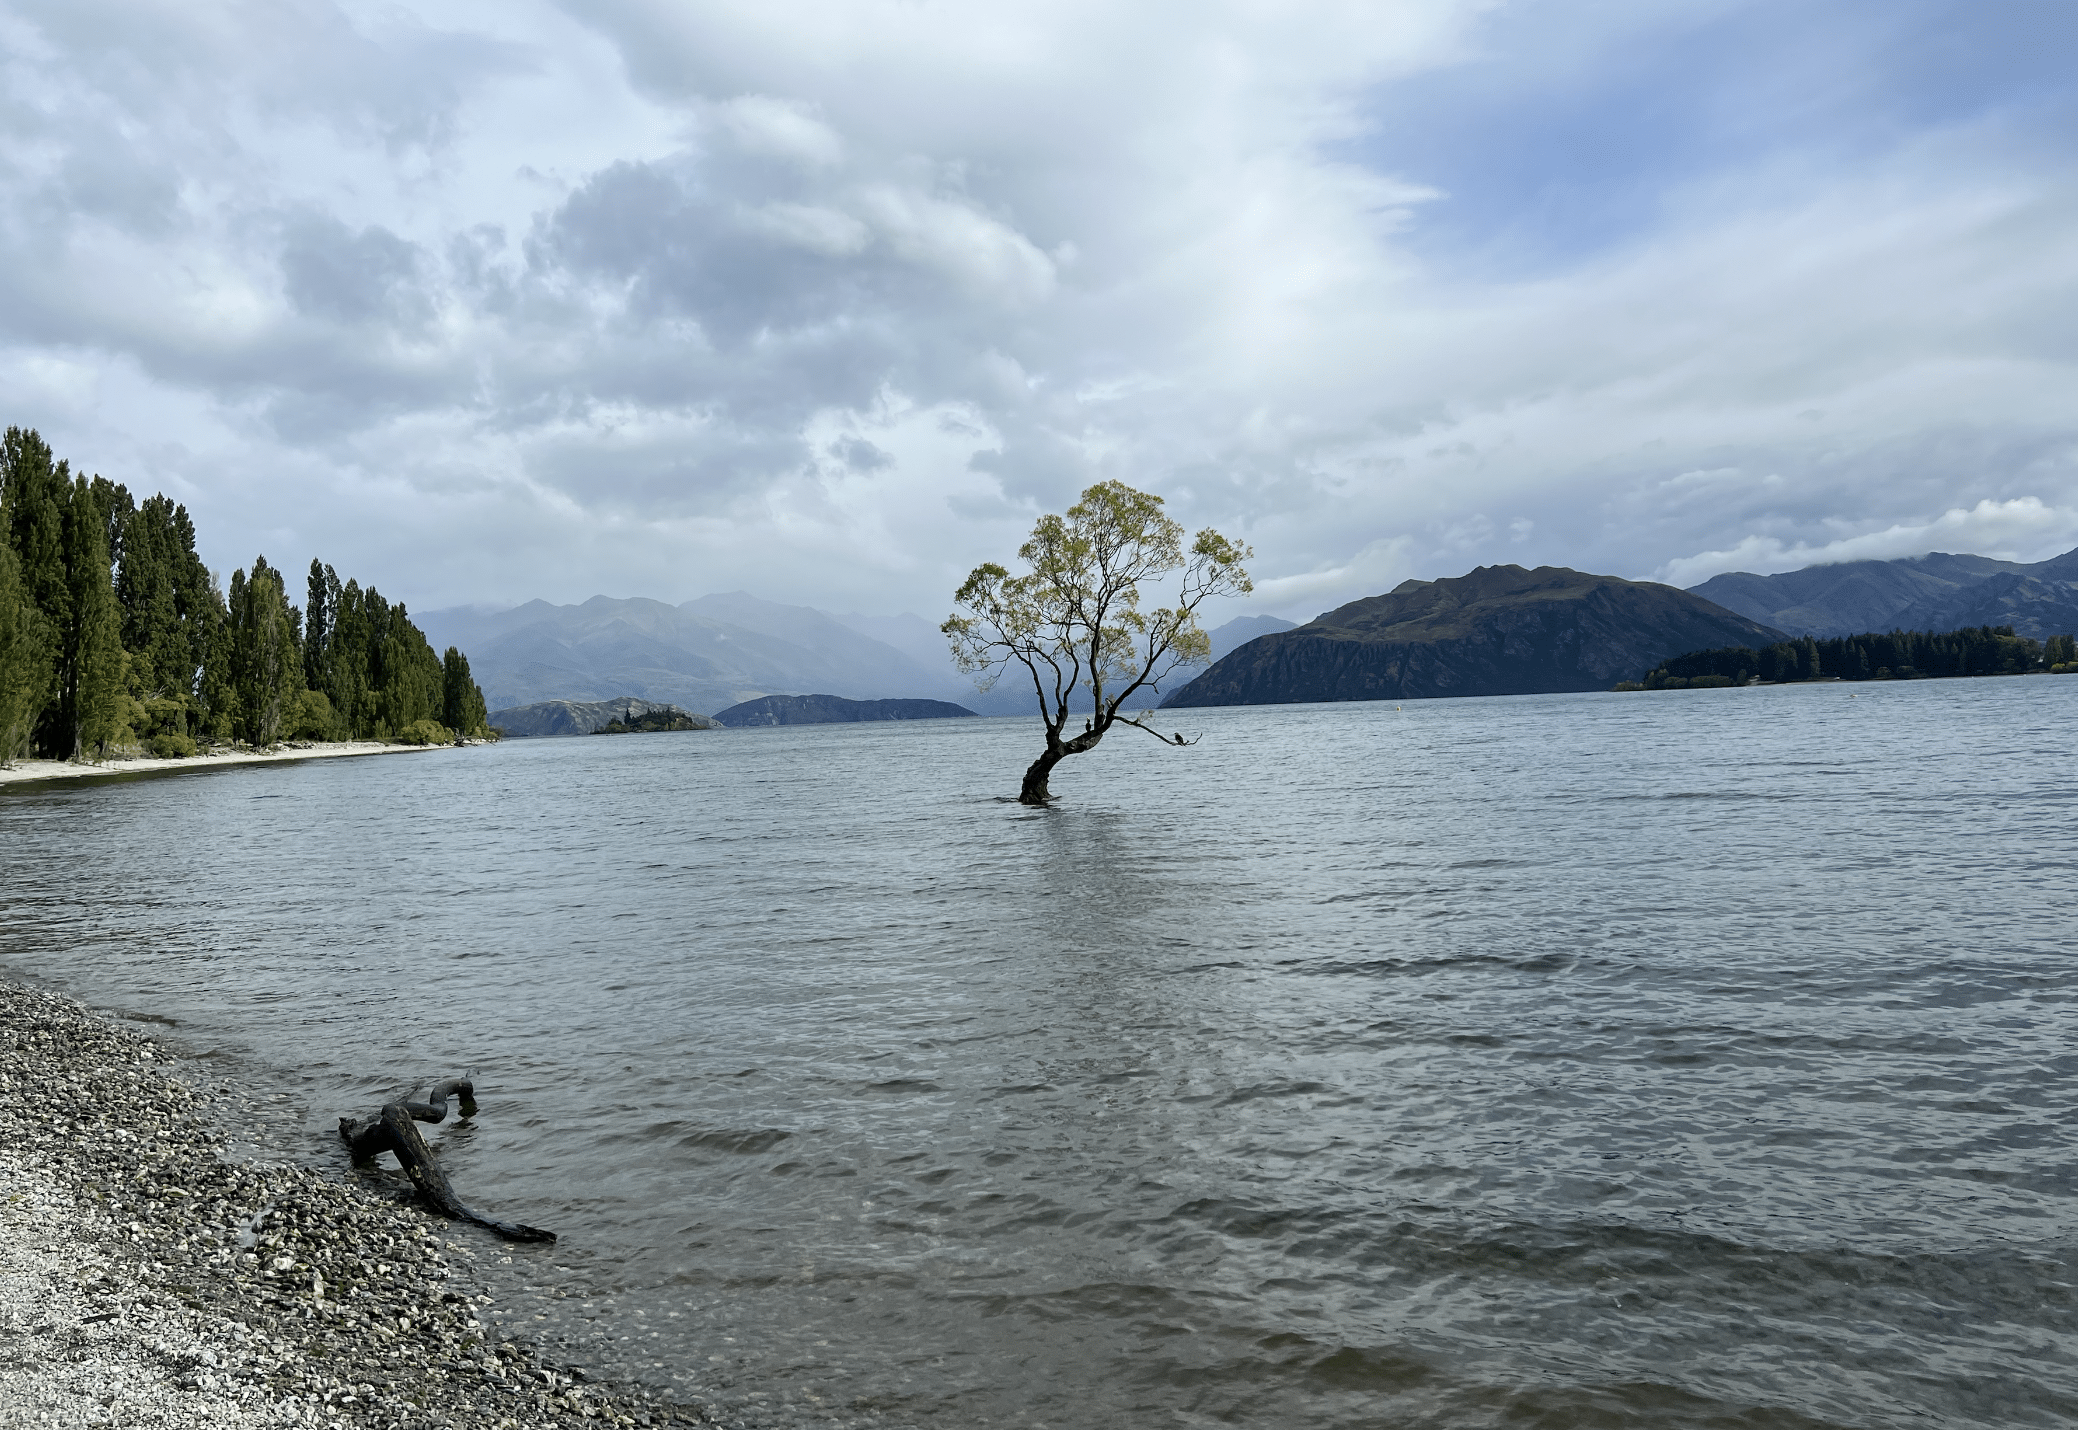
<point>216,698</point>
<point>170,746</point>
<point>171,611</point>
<point>1896,655</point>
<point>161,715</point>
<point>37,491</point>
<point>266,654</point>
<point>1073,622</point>
<point>371,662</point>
<point>90,664</point>
<point>650,722</point>
<point>113,630</point>
<point>413,682</point>
<point>25,658</point>
<point>426,732</point>
<point>313,718</point>
<point>2060,654</point>
<point>65,657</point>
<point>461,699</point>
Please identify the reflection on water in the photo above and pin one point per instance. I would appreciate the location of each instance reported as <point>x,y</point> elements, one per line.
<point>1691,1059</point>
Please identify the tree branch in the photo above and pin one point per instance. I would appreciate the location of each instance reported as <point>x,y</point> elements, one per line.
<point>1165,739</point>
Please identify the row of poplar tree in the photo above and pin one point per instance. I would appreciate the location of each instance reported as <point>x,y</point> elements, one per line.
<point>113,633</point>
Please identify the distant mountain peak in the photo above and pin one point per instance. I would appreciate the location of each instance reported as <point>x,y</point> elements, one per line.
<point>1497,630</point>
<point>1938,590</point>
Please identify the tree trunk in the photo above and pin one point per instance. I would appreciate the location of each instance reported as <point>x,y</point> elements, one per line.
<point>393,1130</point>
<point>1035,791</point>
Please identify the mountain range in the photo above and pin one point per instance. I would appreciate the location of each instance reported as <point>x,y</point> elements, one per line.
<point>1500,630</point>
<point>1934,592</point>
<point>720,651</point>
<point>703,655</point>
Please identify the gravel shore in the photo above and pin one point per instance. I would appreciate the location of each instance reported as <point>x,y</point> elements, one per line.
<point>38,771</point>
<point>145,1281</point>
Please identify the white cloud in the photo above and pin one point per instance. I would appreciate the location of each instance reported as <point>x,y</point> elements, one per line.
<point>812,226</point>
<point>1378,566</point>
<point>502,300</point>
<point>988,256</point>
<point>2022,529</point>
<point>775,127</point>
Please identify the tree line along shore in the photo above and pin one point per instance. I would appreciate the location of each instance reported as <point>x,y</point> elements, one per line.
<point>115,637</point>
<point>1885,655</point>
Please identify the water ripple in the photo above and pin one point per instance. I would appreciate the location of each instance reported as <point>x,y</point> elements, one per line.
<point>1555,1061</point>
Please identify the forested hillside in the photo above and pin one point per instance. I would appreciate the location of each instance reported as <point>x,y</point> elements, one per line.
<point>1873,655</point>
<point>113,634</point>
<point>1499,630</point>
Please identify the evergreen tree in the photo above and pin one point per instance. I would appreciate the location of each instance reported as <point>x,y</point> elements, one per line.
<point>194,663</point>
<point>90,661</point>
<point>216,692</point>
<point>117,507</point>
<point>111,626</point>
<point>266,658</point>
<point>346,658</point>
<point>146,588</point>
<point>37,491</point>
<point>461,707</point>
<point>25,664</point>
<point>320,618</point>
<point>1896,655</point>
<point>412,679</point>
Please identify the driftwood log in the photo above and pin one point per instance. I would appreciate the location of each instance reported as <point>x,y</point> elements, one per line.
<point>394,1130</point>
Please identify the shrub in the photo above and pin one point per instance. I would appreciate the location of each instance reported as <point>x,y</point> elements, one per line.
<point>312,717</point>
<point>163,716</point>
<point>170,746</point>
<point>426,732</point>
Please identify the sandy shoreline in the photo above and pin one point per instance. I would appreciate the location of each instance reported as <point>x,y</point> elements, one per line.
<point>26,771</point>
<point>145,1281</point>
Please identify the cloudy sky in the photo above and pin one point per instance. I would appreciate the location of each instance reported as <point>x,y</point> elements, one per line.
<point>826,299</point>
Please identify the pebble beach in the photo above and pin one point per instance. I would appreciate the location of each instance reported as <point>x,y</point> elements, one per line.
<point>146,1280</point>
<point>217,757</point>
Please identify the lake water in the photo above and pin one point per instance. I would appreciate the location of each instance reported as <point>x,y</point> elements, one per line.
<point>1692,1059</point>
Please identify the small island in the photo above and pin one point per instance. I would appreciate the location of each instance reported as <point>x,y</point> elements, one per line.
<point>834,710</point>
<point>654,720</point>
<point>622,715</point>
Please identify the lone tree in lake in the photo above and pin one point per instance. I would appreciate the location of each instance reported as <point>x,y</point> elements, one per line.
<point>1074,621</point>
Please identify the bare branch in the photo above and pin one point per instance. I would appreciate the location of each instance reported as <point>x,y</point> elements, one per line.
<point>1165,739</point>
